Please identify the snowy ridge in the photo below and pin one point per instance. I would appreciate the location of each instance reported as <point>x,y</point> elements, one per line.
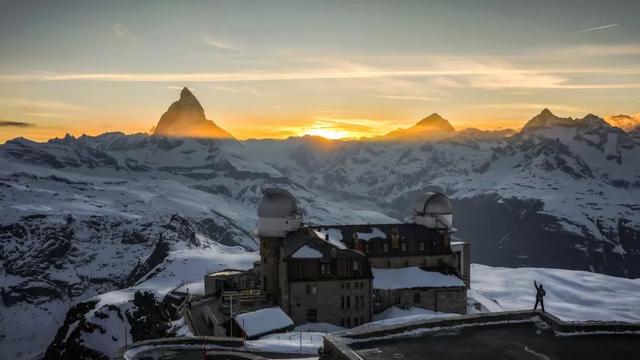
<point>83,216</point>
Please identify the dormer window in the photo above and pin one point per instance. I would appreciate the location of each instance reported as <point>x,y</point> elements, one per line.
<point>385,247</point>
<point>356,265</point>
<point>421,246</point>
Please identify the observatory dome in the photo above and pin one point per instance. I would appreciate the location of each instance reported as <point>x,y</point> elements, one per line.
<point>434,203</point>
<point>277,203</point>
<point>278,213</point>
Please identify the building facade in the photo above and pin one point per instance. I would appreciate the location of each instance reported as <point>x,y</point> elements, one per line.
<point>336,274</point>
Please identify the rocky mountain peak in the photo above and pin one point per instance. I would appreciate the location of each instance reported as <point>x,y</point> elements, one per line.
<point>436,122</point>
<point>186,118</point>
<point>548,119</point>
<point>432,127</point>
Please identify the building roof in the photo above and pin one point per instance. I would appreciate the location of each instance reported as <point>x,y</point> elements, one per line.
<point>226,273</point>
<point>277,203</point>
<point>412,277</point>
<point>345,233</point>
<point>263,321</point>
<point>313,240</point>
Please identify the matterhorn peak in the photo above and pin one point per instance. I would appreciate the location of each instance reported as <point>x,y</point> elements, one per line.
<point>186,118</point>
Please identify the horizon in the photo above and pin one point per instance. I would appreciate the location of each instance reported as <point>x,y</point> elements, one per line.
<point>337,70</point>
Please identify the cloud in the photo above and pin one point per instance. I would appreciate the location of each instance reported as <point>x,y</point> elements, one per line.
<point>531,106</point>
<point>589,50</point>
<point>43,108</point>
<point>19,124</point>
<point>598,28</point>
<point>407,97</point>
<point>443,72</point>
<point>236,90</point>
<point>123,33</point>
<point>222,44</point>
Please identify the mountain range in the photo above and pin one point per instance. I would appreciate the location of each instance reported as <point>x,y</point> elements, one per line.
<point>88,221</point>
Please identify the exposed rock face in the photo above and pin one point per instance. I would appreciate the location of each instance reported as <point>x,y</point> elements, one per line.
<point>185,118</point>
<point>547,119</point>
<point>433,127</point>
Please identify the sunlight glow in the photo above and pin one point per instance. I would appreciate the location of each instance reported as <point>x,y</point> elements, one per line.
<point>332,134</point>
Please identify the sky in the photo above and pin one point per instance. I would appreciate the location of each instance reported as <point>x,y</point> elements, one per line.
<point>273,69</point>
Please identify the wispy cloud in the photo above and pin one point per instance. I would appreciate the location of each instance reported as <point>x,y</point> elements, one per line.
<point>531,106</point>
<point>588,50</point>
<point>236,90</point>
<point>220,43</point>
<point>121,32</point>
<point>19,124</point>
<point>598,28</point>
<point>43,108</point>
<point>407,97</point>
<point>496,75</point>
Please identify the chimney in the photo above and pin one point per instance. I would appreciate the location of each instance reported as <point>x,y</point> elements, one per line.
<point>326,237</point>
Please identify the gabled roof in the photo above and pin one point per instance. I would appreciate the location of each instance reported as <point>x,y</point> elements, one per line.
<point>312,240</point>
<point>345,233</point>
<point>263,321</point>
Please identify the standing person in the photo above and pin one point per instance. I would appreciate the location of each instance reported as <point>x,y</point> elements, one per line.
<point>540,293</point>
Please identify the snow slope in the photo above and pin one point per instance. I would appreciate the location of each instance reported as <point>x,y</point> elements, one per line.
<point>571,295</point>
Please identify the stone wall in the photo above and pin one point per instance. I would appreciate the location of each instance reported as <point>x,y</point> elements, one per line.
<point>449,300</point>
<point>413,260</point>
<point>329,299</point>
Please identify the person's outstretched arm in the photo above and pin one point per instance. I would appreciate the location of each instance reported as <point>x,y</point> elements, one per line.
<point>535,284</point>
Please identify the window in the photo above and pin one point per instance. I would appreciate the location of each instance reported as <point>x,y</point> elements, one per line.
<point>362,301</point>
<point>348,302</point>
<point>421,246</point>
<point>312,315</point>
<point>325,269</point>
<point>348,285</point>
<point>355,265</point>
<point>403,246</point>
<point>342,322</point>
<point>385,246</point>
<point>341,302</point>
<point>342,286</point>
<point>348,322</point>
<point>361,320</point>
<point>308,289</point>
<point>416,298</point>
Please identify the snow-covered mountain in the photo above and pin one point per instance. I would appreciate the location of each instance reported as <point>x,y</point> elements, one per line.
<point>433,127</point>
<point>87,216</point>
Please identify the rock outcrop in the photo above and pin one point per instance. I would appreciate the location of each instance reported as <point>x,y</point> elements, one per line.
<point>186,118</point>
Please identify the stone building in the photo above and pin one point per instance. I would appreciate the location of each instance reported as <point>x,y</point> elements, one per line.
<point>342,274</point>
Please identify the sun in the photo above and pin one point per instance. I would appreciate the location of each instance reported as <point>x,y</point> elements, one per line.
<point>332,134</point>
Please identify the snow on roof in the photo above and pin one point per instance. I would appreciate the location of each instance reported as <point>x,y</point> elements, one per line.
<point>263,321</point>
<point>334,236</point>
<point>375,233</point>
<point>306,252</point>
<point>226,273</point>
<point>412,277</point>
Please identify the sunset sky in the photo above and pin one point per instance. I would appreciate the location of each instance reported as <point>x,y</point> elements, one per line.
<point>347,68</point>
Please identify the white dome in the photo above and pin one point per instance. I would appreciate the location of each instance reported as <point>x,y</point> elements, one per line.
<point>277,213</point>
<point>277,203</point>
<point>434,203</point>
